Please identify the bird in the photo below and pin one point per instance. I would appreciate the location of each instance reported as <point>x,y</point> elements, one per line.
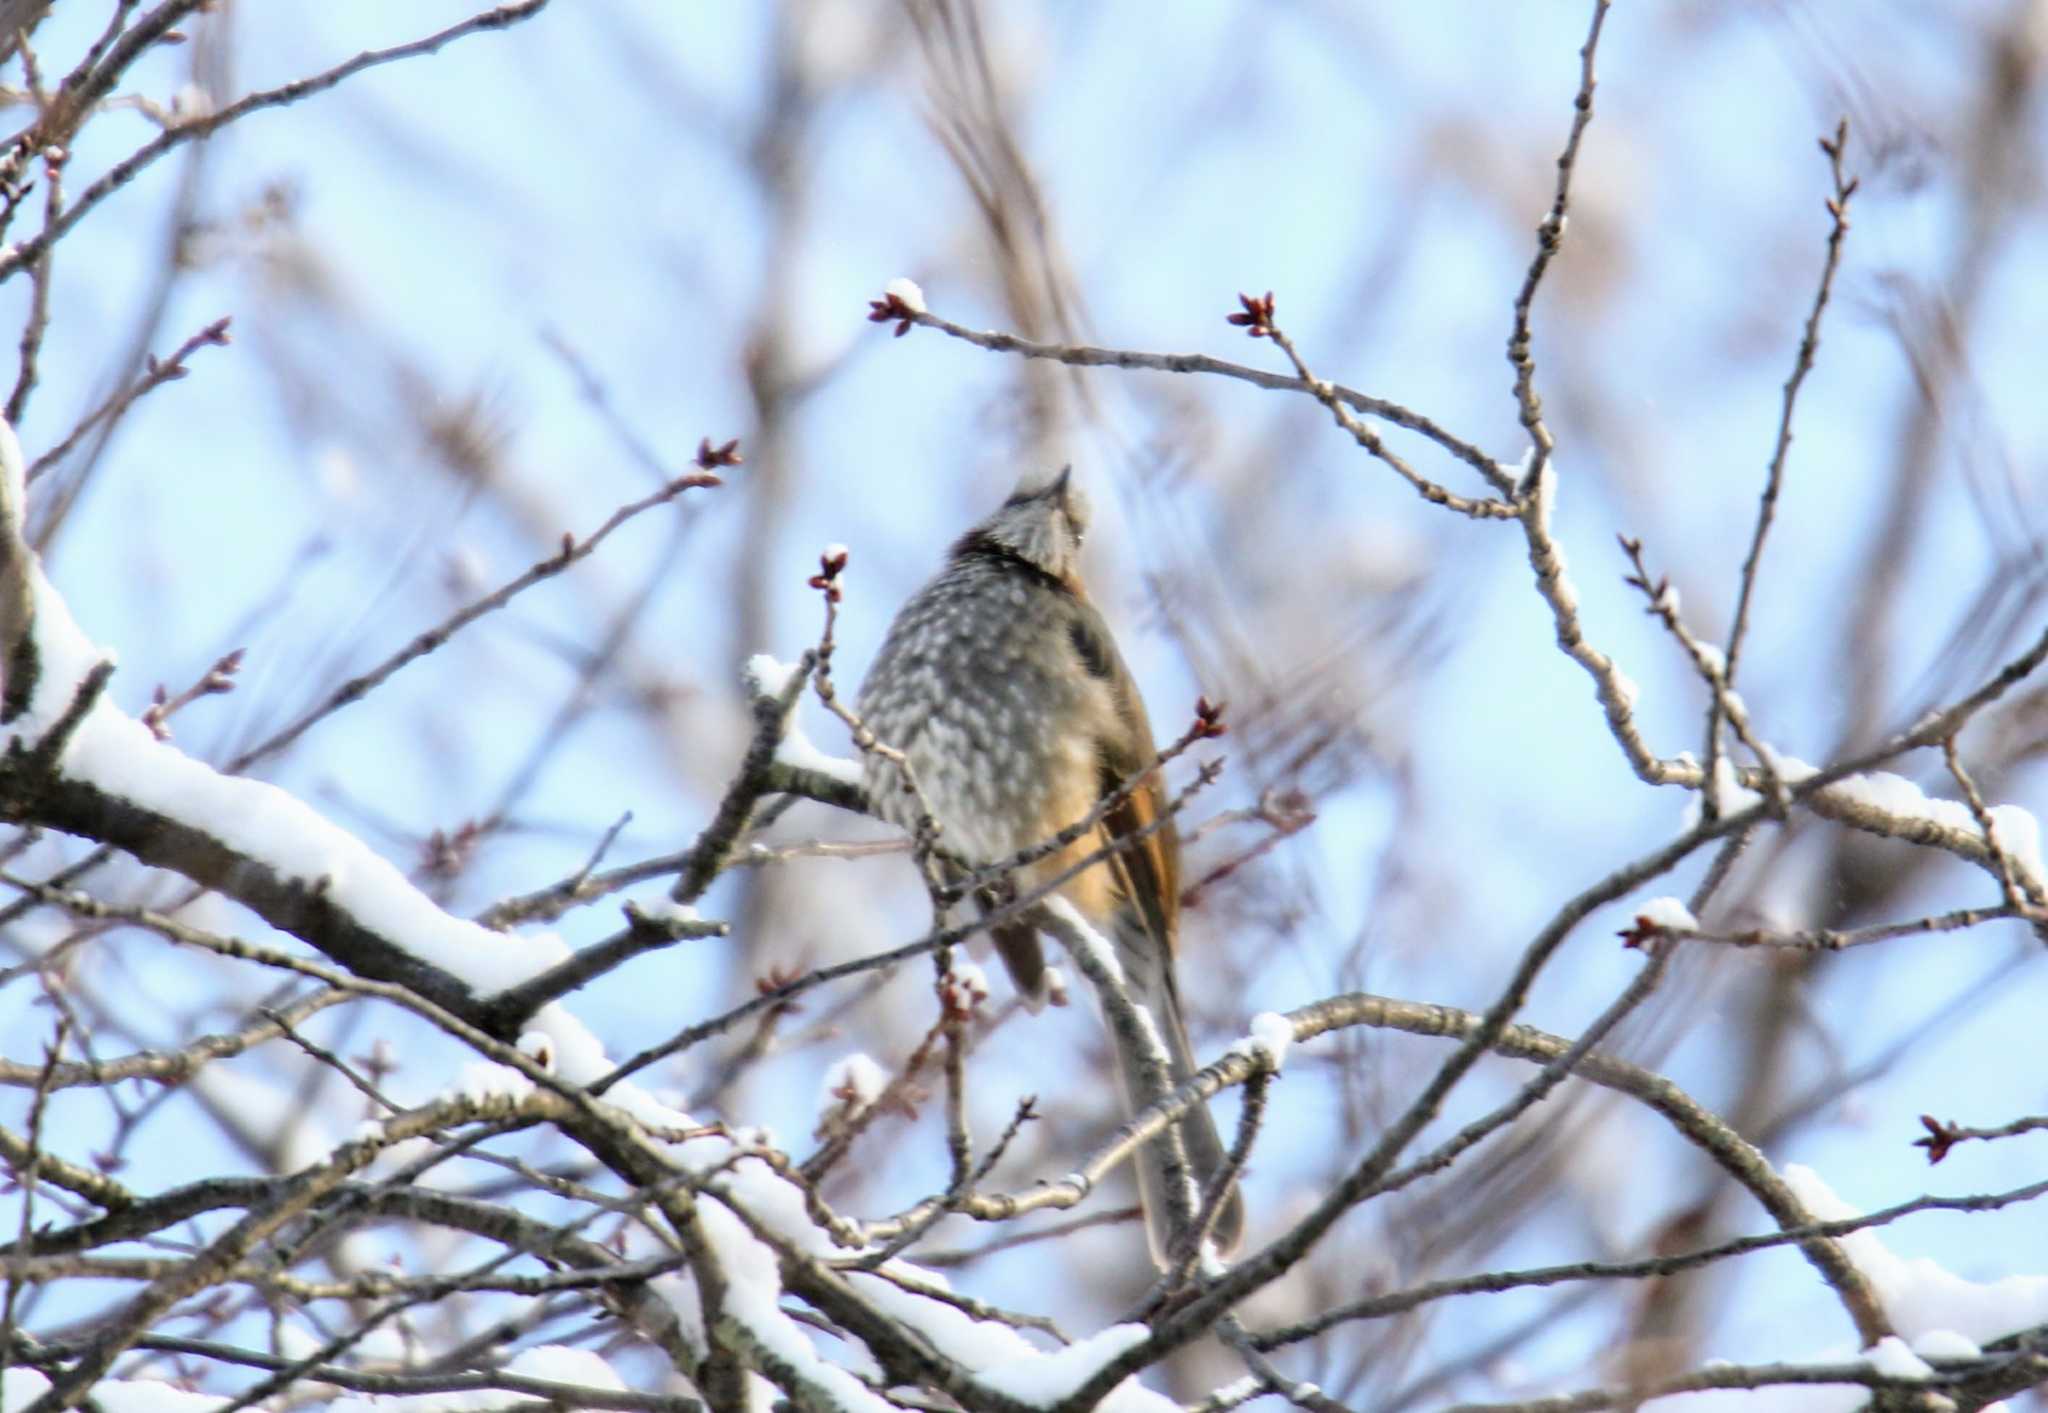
<point>1001,687</point>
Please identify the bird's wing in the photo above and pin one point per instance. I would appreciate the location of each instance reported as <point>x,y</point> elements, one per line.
<point>1147,872</point>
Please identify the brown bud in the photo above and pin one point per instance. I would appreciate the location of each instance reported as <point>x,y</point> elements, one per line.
<point>710,458</point>
<point>1256,315</point>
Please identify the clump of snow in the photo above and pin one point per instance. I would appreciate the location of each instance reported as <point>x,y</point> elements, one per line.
<point>191,103</point>
<point>1946,1344</point>
<point>1669,912</point>
<point>481,1081</point>
<point>1097,946</point>
<point>853,1080</point>
<point>2019,835</point>
<point>662,908</point>
<point>564,1365</point>
<point>2017,831</point>
<point>539,1047</point>
<point>769,677</point>
<point>906,291</point>
<point>1055,989</point>
<point>1890,1357</point>
<point>1895,794</point>
<point>21,1386</point>
<point>1790,769</point>
<point>966,986</point>
<point>1729,794</point>
<point>1046,1379</point>
<point>1272,1035</point>
<point>1919,1293</point>
<point>798,752</point>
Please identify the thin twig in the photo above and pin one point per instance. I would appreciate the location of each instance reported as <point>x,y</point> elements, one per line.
<point>200,126</point>
<point>155,373</point>
<point>1712,670</point>
<point>1086,356</point>
<point>572,551</point>
<point>26,1174</point>
<point>1836,940</point>
<point>38,321</point>
<point>1549,236</point>
<point>2008,876</point>
<point>1774,478</point>
<point>1366,437</point>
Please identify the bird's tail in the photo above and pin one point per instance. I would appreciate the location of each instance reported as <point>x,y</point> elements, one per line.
<point>1148,972</point>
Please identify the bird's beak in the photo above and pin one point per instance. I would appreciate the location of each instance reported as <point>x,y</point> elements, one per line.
<point>1059,483</point>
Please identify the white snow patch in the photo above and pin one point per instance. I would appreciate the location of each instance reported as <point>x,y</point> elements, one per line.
<point>1729,794</point>
<point>564,1365</point>
<point>1056,990</point>
<point>1919,1293</point>
<point>662,908</point>
<point>967,986</point>
<point>1895,794</point>
<point>769,677</point>
<point>1890,1357</point>
<point>481,1081</point>
<point>853,1079</point>
<point>908,292</point>
<point>21,1386</point>
<point>1272,1034</point>
<point>798,752</point>
<point>2019,834</point>
<point>1946,1344</point>
<point>1793,771</point>
<point>1669,912</point>
<point>1097,945</point>
<point>539,1047</point>
<point>1046,1379</point>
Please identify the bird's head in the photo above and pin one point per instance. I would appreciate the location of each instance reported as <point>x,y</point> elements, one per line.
<point>1042,523</point>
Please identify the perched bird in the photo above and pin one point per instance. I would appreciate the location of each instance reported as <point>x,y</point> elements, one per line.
<point>1000,685</point>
